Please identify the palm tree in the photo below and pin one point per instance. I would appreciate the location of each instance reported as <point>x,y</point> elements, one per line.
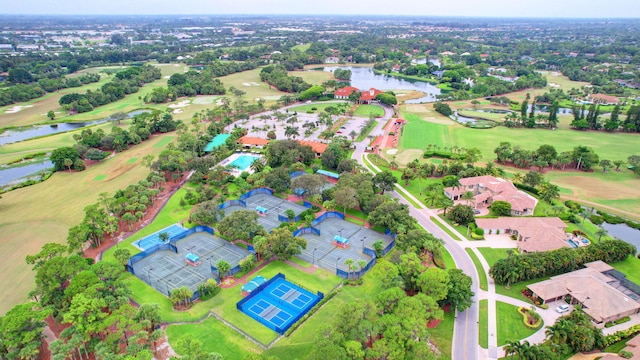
<point>585,213</point>
<point>361,264</point>
<point>512,348</point>
<point>291,131</point>
<point>601,232</point>
<point>517,178</point>
<point>257,165</point>
<point>468,197</point>
<point>558,332</point>
<point>349,262</point>
<point>432,197</point>
<point>446,204</point>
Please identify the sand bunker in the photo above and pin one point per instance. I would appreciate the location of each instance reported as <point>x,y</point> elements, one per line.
<point>392,151</point>
<point>180,104</point>
<point>251,84</point>
<point>178,111</point>
<point>15,109</point>
<point>166,77</point>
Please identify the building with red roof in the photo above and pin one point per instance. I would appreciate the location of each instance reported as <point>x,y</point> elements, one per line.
<point>366,96</point>
<point>345,92</point>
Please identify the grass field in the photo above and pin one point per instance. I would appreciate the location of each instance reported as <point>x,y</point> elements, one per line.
<point>249,82</point>
<point>483,324</point>
<point>302,47</point>
<point>368,110</point>
<point>510,326</point>
<point>308,107</point>
<point>482,275</point>
<point>40,107</point>
<point>616,192</point>
<point>210,332</point>
<point>515,290</point>
<point>32,216</point>
<point>492,255</point>
<point>313,77</point>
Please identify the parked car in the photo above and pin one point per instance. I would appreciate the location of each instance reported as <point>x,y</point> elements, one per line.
<point>562,309</point>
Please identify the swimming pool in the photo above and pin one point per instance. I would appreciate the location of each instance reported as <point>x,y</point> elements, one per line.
<point>243,162</point>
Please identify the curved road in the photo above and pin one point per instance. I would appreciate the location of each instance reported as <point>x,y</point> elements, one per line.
<point>465,334</point>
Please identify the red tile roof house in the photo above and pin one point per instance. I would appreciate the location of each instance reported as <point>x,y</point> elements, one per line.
<point>249,142</point>
<point>534,234</point>
<point>366,96</point>
<point>487,189</point>
<point>317,147</point>
<point>601,295</point>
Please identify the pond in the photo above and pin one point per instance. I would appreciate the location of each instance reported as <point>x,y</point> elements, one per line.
<point>365,78</point>
<point>11,136</point>
<point>15,175</point>
<point>624,232</point>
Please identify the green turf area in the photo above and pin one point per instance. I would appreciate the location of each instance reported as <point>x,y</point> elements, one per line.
<point>617,347</point>
<point>314,77</point>
<point>492,255</point>
<point>100,177</point>
<point>309,107</point>
<point>515,290</point>
<point>28,222</point>
<point>440,224</point>
<point>449,263</point>
<point>164,142</point>
<point>249,82</point>
<point>367,110</point>
<point>483,325</point>
<point>615,192</point>
<point>442,335</point>
<point>630,267</point>
<point>302,263</point>
<point>133,160</point>
<point>482,276</point>
<point>210,332</point>
<point>510,326</point>
<point>302,47</point>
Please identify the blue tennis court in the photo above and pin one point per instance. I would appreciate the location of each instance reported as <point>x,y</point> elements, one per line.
<point>154,239</point>
<point>278,304</point>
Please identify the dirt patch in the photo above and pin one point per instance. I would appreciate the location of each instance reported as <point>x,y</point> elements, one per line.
<point>406,156</point>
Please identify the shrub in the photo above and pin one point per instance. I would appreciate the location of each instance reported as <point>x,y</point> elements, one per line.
<point>531,319</point>
<point>626,354</point>
<point>478,231</point>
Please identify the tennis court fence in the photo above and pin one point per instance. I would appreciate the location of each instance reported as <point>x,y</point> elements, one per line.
<point>230,203</point>
<point>307,230</point>
<point>146,253</point>
<point>249,194</point>
<point>326,215</point>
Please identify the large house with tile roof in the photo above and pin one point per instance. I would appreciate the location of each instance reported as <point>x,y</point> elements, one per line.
<point>597,288</point>
<point>533,234</point>
<point>366,96</point>
<point>487,189</point>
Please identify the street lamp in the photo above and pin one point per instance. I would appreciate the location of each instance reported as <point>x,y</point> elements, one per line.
<point>167,285</point>
<point>313,262</point>
<point>148,276</point>
<point>338,259</point>
<point>362,241</point>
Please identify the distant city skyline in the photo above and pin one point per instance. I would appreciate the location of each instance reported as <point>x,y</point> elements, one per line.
<point>475,8</point>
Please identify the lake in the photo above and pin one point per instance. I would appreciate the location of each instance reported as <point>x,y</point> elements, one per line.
<point>623,232</point>
<point>19,174</point>
<point>364,78</point>
<point>11,136</point>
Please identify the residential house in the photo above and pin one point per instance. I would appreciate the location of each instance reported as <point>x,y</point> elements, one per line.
<point>603,99</point>
<point>487,189</point>
<point>366,96</point>
<point>533,234</point>
<point>249,142</point>
<point>603,292</point>
<point>318,147</point>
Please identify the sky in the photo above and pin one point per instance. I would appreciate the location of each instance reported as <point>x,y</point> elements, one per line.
<point>480,8</point>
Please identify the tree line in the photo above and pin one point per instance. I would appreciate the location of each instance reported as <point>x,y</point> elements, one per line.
<point>191,83</point>
<point>276,76</point>
<point>126,82</point>
<point>522,267</point>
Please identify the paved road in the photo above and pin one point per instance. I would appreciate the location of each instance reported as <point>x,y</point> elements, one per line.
<point>465,337</point>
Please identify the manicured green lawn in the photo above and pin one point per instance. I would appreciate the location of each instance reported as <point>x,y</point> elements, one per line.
<point>482,276</point>
<point>442,335</point>
<point>492,255</point>
<point>210,332</point>
<point>448,259</point>
<point>438,222</point>
<point>367,110</point>
<point>417,134</point>
<point>319,107</point>
<point>483,324</point>
<point>510,325</point>
<point>515,290</point>
<point>630,267</point>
